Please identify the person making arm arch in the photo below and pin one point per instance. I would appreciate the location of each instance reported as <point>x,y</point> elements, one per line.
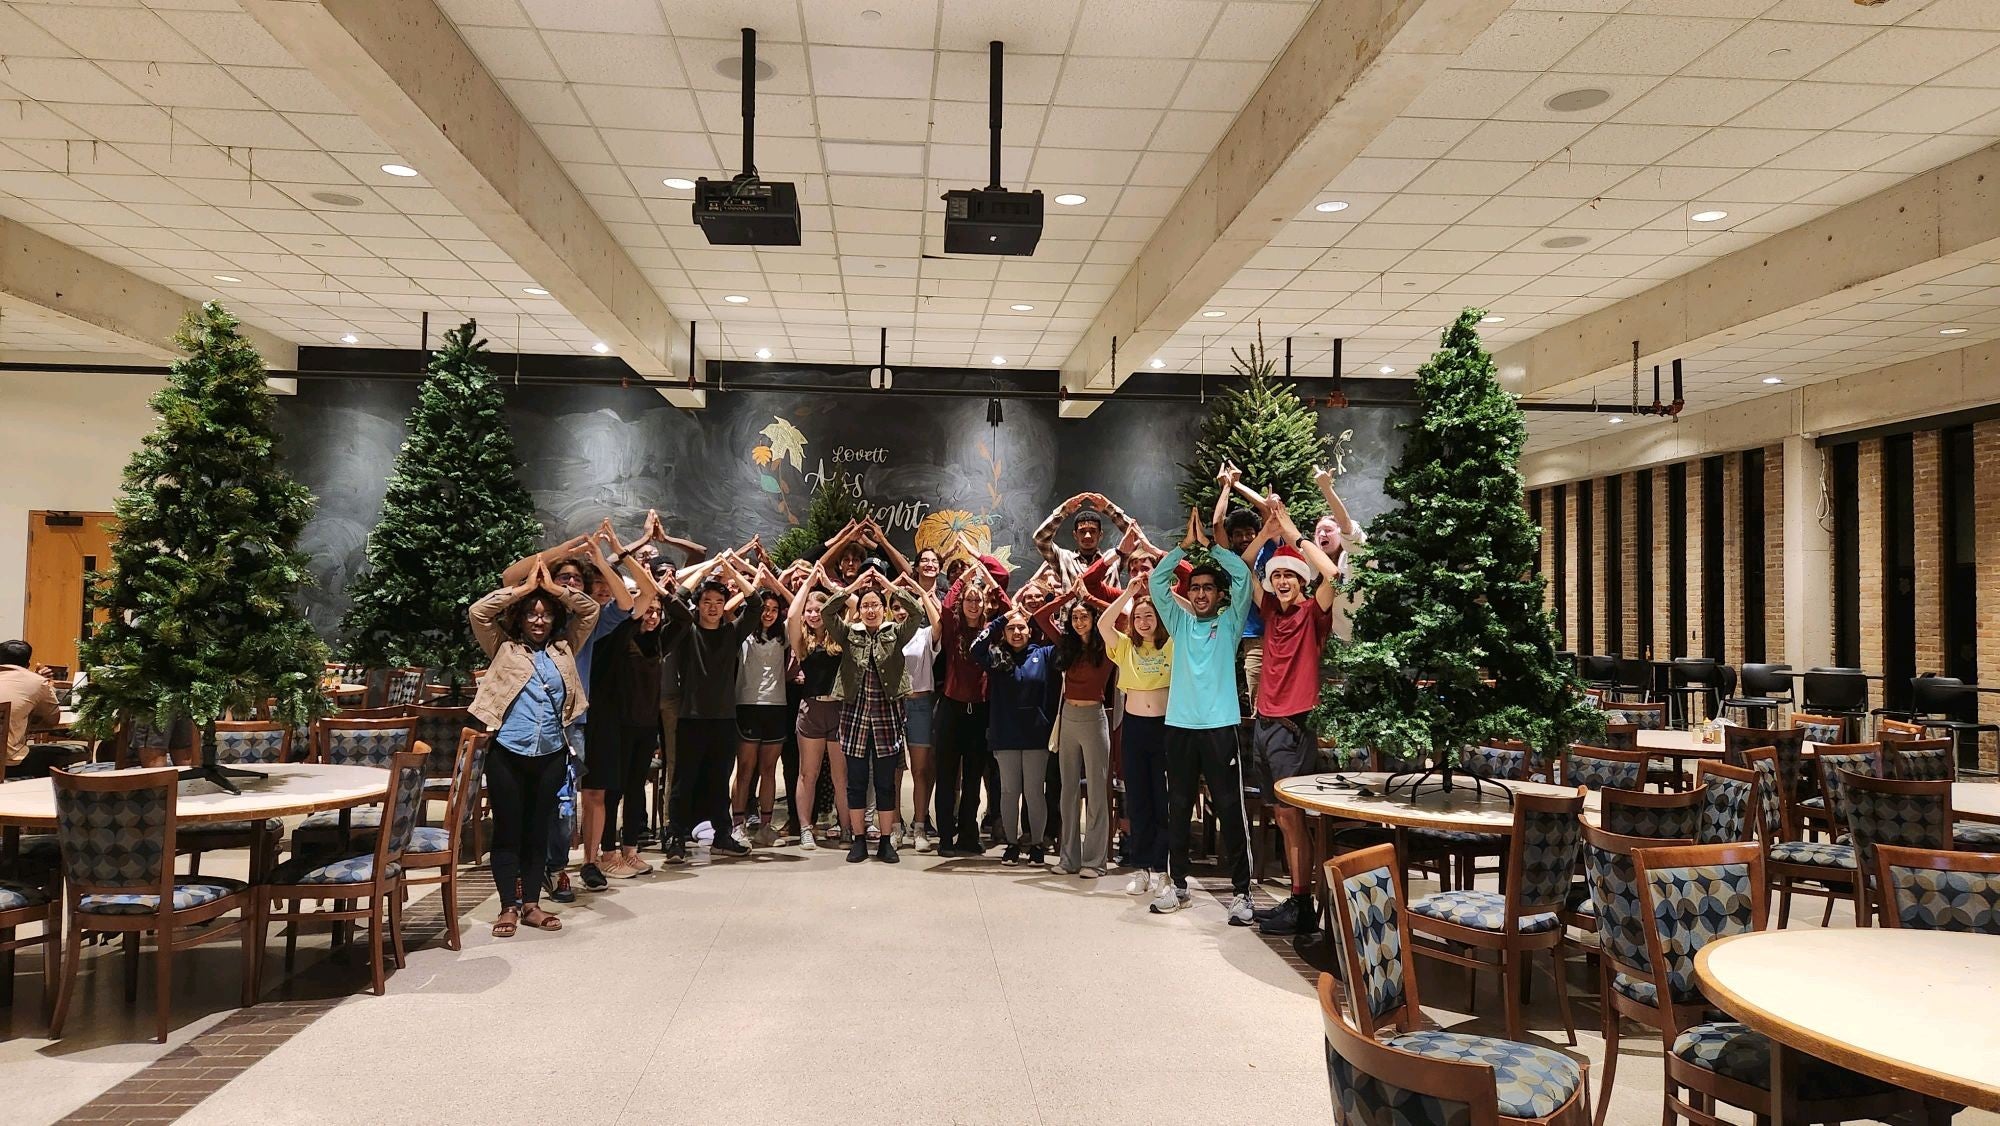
<point>1088,531</point>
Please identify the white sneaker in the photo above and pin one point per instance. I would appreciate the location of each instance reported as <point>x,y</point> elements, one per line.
<point>1169,900</point>
<point>1240,913</point>
<point>740,836</point>
<point>904,836</point>
<point>1154,882</point>
<point>1137,886</point>
<point>806,840</point>
<point>923,840</point>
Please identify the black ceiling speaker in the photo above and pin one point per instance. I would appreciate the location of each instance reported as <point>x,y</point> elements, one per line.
<point>744,210</point>
<point>992,220</point>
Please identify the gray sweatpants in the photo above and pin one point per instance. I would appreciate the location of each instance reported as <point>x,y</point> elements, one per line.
<point>1083,751</point>
<point>1021,775</point>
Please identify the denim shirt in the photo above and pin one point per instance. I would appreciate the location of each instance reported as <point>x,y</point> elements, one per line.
<point>534,725</point>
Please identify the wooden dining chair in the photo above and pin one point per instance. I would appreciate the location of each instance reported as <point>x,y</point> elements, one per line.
<point>436,849</point>
<point>362,887</point>
<point>344,741</point>
<point>1533,1084</point>
<point>405,686</point>
<point>1457,851</point>
<point>1823,728</point>
<point>440,727</point>
<point>1671,814</point>
<point>1731,803</point>
<point>116,832</point>
<point>1519,921</point>
<point>241,743</point>
<point>1599,768</point>
<point>1821,813</point>
<point>1689,897</point>
<point>1373,1082</point>
<point>1897,731</point>
<point>1625,986</point>
<point>1788,744</point>
<point>22,904</point>
<point>1938,890</point>
<point>1879,811</point>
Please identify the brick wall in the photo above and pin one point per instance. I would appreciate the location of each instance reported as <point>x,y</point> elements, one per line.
<point>1986,460</point>
<point>1548,550</point>
<point>1571,626</point>
<point>1693,643</point>
<point>1628,559</point>
<point>1868,491</point>
<point>1663,644</point>
<point>1731,501</point>
<point>1600,565</point>
<point>1774,554</point>
<point>1928,549</point>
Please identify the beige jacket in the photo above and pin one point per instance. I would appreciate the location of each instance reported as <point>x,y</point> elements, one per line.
<point>33,703</point>
<point>510,663</point>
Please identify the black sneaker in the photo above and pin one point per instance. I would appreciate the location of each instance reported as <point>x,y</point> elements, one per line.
<point>593,878</point>
<point>1038,856</point>
<point>1294,916</point>
<point>971,848</point>
<point>858,850</point>
<point>1011,857</point>
<point>886,850</point>
<point>727,846</point>
<point>676,851</point>
<point>559,888</point>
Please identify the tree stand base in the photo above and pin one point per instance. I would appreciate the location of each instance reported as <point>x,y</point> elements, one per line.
<point>222,776</point>
<point>1448,779</point>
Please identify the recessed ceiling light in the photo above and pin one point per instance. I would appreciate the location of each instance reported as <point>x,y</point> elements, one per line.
<point>1070,199</point>
<point>1943,331</point>
<point>337,199</point>
<point>1615,420</point>
<point>1564,242</point>
<point>1708,216</point>
<point>997,360</point>
<point>1576,101</point>
<point>1022,308</point>
<point>1158,364</point>
<point>535,291</point>
<point>600,347</point>
<point>870,14</point>
<point>399,170</point>
<point>1331,205</point>
<point>225,278</point>
<point>1772,379</point>
<point>679,183</point>
<point>1490,319</point>
<point>350,338</point>
<point>763,353</point>
<point>736,299</point>
<point>1211,312</point>
<point>1385,369</point>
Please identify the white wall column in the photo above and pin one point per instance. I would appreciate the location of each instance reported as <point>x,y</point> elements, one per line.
<point>1808,558</point>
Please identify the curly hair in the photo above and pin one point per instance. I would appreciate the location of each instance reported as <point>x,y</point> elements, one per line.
<point>515,617</point>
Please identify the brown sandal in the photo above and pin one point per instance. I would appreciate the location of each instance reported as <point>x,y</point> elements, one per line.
<point>539,919</point>
<point>505,925</point>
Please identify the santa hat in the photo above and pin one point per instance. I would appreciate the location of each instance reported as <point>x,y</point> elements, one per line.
<point>1287,558</point>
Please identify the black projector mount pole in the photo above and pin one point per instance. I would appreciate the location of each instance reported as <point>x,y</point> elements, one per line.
<point>749,173</point>
<point>995,52</point>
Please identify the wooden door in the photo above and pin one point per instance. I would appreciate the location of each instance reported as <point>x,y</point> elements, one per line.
<point>62,546</point>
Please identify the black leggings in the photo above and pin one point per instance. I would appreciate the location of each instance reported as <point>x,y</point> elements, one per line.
<point>883,768</point>
<point>636,761</point>
<point>962,759</point>
<point>522,790</point>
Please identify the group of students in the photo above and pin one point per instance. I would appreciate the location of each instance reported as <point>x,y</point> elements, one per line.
<point>863,664</point>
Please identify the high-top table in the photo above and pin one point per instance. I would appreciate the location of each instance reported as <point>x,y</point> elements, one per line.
<point>288,789</point>
<point>1910,1007</point>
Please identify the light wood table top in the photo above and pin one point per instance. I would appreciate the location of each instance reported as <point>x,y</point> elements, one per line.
<point>1679,744</point>
<point>1975,801</point>
<point>289,788</point>
<point>1915,1008</point>
<point>1359,795</point>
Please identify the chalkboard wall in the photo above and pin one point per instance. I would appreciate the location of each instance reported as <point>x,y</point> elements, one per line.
<point>721,474</point>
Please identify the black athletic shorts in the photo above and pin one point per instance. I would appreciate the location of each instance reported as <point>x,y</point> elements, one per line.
<point>1285,747</point>
<point>763,723</point>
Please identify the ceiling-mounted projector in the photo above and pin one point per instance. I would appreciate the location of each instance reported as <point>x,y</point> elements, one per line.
<point>992,220</point>
<point>745,210</point>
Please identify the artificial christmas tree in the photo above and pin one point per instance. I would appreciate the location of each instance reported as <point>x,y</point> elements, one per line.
<point>832,507</point>
<point>202,619</point>
<point>456,514</point>
<point>1267,431</point>
<point>1447,584</point>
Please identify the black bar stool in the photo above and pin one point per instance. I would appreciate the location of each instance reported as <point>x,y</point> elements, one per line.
<point>1633,680</point>
<point>1599,671</point>
<point>1949,705</point>
<point>1842,692</point>
<point>1765,687</point>
<point>1694,676</point>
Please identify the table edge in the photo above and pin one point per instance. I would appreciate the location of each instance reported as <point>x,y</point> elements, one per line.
<point>183,817</point>
<point>1400,820</point>
<point>1913,1076</point>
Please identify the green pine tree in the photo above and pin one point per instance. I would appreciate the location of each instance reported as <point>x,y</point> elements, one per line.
<point>1265,429</point>
<point>456,514</point>
<point>1447,583</point>
<point>828,512</point>
<point>202,617</point>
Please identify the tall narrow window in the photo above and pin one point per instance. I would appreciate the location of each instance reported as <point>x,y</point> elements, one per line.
<point>1713,612</point>
<point>1614,566</point>
<point>1752,542</point>
<point>1961,557</point>
<point>1586,602</point>
<point>1677,563</point>
<point>1642,577</point>
<point>1844,463</point>
<point>1561,523</point>
<point>1899,571</point>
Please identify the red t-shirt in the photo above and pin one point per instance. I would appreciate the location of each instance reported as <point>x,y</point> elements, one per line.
<point>1292,645</point>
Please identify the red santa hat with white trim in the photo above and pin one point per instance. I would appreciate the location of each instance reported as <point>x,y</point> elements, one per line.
<point>1288,558</point>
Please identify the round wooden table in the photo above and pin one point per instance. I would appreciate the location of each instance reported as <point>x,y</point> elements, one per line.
<point>1910,1007</point>
<point>1359,795</point>
<point>1975,801</point>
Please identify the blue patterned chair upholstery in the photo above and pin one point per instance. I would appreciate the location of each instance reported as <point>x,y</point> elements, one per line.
<point>439,729</point>
<point>406,686</point>
<point>1633,813</point>
<point>244,744</point>
<point>1726,803</point>
<point>365,887</point>
<point>1822,732</point>
<point>1824,810</point>
<point>1375,932</point>
<point>239,743</point>
<point>1976,836</point>
<point>22,904</point>
<point>363,742</point>
<point>437,848</point>
<point>1882,811</point>
<point>1922,761</point>
<point>1464,848</point>
<point>1530,1081</point>
<point>1789,744</point>
<point>1541,859</point>
<point>1362,1098</point>
<point>1626,985</point>
<point>116,833</point>
<point>1649,717</point>
<point>1939,890</point>
<point>1734,1052</point>
<point>1583,767</point>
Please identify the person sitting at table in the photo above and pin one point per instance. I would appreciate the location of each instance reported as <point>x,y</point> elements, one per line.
<point>529,697</point>
<point>32,704</point>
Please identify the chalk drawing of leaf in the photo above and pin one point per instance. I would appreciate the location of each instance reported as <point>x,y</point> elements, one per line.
<point>786,442</point>
<point>769,482</point>
<point>762,454</point>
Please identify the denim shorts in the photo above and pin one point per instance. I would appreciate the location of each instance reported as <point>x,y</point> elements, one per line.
<point>917,712</point>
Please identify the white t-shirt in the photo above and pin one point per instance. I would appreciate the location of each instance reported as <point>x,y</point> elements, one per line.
<point>761,677</point>
<point>919,656</point>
